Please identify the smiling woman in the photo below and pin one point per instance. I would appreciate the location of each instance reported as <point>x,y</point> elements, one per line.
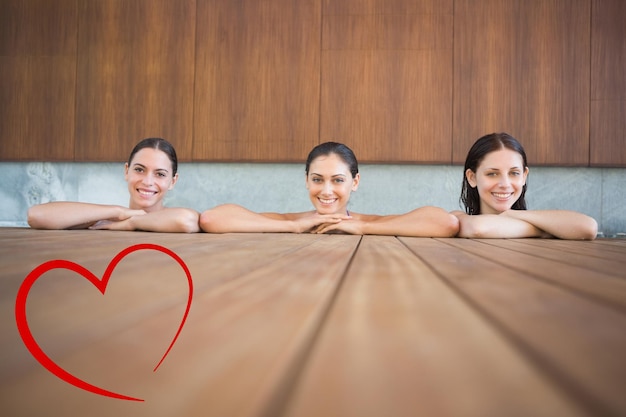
<point>331,175</point>
<point>494,186</point>
<point>151,171</point>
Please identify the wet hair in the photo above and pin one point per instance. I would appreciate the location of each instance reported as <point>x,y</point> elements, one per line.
<point>338,149</point>
<point>483,146</point>
<point>160,144</point>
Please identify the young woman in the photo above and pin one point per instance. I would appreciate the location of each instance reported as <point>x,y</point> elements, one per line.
<point>151,171</point>
<point>332,173</point>
<point>494,185</point>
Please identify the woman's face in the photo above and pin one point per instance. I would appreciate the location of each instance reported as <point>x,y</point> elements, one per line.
<point>499,178</point>
<point>149,178</point>
<point>330,183</point>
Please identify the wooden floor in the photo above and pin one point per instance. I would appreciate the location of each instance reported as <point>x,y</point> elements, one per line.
<point>317,325</point>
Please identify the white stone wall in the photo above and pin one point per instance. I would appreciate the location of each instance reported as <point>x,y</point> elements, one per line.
<point>384,189</point>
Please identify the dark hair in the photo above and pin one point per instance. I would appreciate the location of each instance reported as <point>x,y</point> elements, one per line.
<point>484,145</point>
<point>338,149</point>
<point>160,144</point>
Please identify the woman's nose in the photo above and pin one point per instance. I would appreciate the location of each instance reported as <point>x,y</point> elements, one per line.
<point>147,179</point>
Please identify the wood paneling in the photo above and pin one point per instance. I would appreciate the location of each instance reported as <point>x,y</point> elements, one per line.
<point>523,67</point>
<point>387,79</point>
<point>608,83</point>
<point>257,82</point>
<point>415,81</point>
<point>37,79</point>
<point>135,76</point>
<point>333,7</point>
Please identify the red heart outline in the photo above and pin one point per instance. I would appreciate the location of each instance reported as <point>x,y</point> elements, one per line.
<point>100,284</point>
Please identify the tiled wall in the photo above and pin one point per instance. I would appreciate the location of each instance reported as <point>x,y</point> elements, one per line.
<point>384,189</point>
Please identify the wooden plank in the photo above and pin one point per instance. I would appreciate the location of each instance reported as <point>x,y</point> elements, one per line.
<point>545,250</point>
<point>578,342</point>
<point>602,287</point>
<point>399,342</point>
<point>218,251</point>
<point>241,339</point>
<point>610,242</point>
<point>587,249</point>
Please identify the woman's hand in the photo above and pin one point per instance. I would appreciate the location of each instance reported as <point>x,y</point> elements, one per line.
<point>346,225</point>
<point>315,221</point>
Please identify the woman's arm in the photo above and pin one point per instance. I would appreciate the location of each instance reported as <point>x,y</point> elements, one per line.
<point>422,222</point>
<point>228,218</point>
<point>495,226</point>
<point>72,215</point>
<point>563,224</point>
<point>166,220</point>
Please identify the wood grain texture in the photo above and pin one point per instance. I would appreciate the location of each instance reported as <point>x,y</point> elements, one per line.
<point>522,67</point>
<point>608,83</point>
<point>563,335</point>
<point>400,81</point>
<point>387,81</point>
<point>558,266</point>
<point>37,79</point>
<point>252,316</point>
<point>135,76</point>
<point>257,80</point>
<point>399,343</point>
<point>334,325</point>
<point>399,7</point>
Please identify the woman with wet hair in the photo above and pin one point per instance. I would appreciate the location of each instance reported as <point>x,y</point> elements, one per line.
<point>332,173</point>
<point>493,194</point>
<point>151,171</point>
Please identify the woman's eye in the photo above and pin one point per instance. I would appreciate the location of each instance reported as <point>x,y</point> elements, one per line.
<point>138,170</point>
<point>317,180</point>
<point>339,180</point>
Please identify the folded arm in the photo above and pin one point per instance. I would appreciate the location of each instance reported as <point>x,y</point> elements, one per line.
<point>72,215</point>
<point>528,223</point>
<point>421,222</point>
<point>166,220</point>
<point>60,215</point>
<point>495,226</point>
<point>229,218</point>
<point>563,224</point>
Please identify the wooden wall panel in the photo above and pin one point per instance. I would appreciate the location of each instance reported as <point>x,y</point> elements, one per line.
<point>387,79</point>
<point>135,76</point>
<point>257,82</point>
<point>359,7</point>
<point>398,80</point>
<point>522,66</point>
<point>37,79</point>
<point>608,83</point>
